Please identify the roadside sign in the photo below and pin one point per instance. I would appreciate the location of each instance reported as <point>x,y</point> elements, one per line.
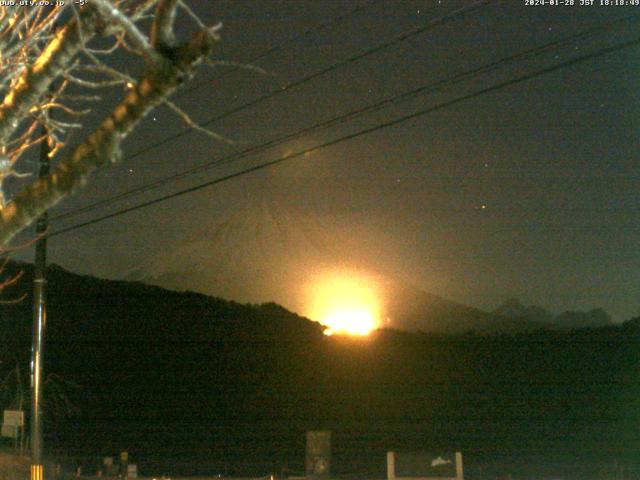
<point>14,418</point>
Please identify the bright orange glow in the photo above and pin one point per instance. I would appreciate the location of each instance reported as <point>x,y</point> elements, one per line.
<point>353,322</point>
<point>345,303</point>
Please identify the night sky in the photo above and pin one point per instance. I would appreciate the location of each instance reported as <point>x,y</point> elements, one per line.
<point>528,191</point>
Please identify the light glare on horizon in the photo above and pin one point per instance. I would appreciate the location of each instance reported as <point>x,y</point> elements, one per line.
<point>345,303</point>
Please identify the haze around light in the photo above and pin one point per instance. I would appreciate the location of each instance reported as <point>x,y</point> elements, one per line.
<point>345,302</point>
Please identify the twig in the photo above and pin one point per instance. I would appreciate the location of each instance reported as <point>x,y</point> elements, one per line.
<point>243,66</point>
<point>90,84</point>
<point>113,15</point>
<point>191,14</point>
<point>191,124</point>
<point>162,27</point>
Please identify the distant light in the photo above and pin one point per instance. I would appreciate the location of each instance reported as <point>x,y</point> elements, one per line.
<point>351,321</point>
<point>345,302</point>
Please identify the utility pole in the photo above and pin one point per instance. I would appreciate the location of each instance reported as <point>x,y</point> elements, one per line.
<point>39,323</point>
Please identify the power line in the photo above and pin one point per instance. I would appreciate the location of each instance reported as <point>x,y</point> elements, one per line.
<point>307,78</point>
<point>422,90</point>
<point>365,131</point>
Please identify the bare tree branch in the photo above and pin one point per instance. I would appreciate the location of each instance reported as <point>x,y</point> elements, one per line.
<point>38,55</point>
<point>117,19</point>
<point>191,14</point>
<point>141,10</point>
<point>242,66</point>
<point>103,145</point>
<point>162,27</point>
<point>34,82</point>
<point>191,124</point>
<point>7,282</point>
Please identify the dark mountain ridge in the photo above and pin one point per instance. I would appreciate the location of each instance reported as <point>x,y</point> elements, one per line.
<point>408,307</point>
<point>415,310</point>
<point>190,384</point>
<point>515,310</point>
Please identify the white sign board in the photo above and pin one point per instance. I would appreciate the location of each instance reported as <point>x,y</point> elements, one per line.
<point>424,466</point>
<point>132,471</point>
<point>14,418</point>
